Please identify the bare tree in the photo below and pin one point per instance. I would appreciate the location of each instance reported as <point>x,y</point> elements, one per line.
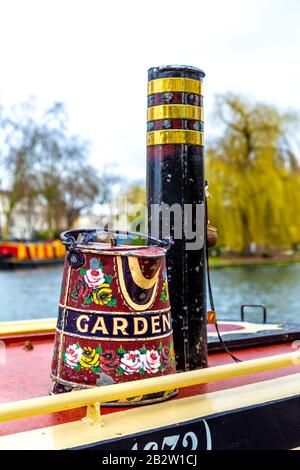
<point>45,163</point>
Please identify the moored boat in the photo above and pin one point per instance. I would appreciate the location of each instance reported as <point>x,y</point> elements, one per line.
<point>227,406</point>
<point>238,382</point>
<point>29,254</point>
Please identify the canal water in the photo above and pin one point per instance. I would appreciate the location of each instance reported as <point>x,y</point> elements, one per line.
<point>26,294</point>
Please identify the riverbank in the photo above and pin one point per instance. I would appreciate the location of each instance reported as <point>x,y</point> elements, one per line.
<point>217,263</point>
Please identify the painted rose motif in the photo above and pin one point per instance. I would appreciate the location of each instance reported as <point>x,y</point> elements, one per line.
<point>120,362</point>
<point>89,358</point>
<point>165,356</point>
<point>108,361</point>
<point>103,295</point>
<point>81,289</point>
<point>94,277</point>
<point>151,361</point>
<point>72,355</point>
<point>93,286</point>
<point>131,362</point>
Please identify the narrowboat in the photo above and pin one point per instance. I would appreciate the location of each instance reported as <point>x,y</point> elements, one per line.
<point>253,404</point>
<point>30,254</point>
<point>127,320</point>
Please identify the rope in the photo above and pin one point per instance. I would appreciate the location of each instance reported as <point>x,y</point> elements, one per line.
<point>210,292</point>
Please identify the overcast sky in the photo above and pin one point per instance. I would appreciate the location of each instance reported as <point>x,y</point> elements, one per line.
<point>94,56</point>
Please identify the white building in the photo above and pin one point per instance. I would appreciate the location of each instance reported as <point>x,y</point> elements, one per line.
<point>26,219</point>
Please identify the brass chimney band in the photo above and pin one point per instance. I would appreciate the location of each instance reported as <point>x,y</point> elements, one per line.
<point>175,111</point>
<point>184,85</point>
<point>175,137</point>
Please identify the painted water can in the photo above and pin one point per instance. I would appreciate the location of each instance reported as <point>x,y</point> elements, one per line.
<point>114,322</point>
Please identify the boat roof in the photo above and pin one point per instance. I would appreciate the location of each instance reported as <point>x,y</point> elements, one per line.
<point>29,347</point>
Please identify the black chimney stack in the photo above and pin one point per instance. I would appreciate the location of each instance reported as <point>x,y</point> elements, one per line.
<point>175,177</point>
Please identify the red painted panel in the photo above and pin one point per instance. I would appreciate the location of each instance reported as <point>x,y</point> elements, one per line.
<point>26,374</point>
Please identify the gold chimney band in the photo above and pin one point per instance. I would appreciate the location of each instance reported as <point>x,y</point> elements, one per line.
<point>175,137</point>
<point>175,111</point>
<point>187,85</point>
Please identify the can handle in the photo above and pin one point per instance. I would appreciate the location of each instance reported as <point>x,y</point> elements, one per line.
<point>69,237</point>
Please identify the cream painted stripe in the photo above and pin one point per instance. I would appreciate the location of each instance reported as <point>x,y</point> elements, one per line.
<point>137,275</point>
<point>133,305</point>
<point>125,423</point>
<point>111,339</point>
<point>27,326</point>
<point>247,328</point>
<point>98,312</point>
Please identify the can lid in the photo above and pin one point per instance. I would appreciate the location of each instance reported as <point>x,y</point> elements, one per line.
<point>108,241</point>
<point>122,250</point>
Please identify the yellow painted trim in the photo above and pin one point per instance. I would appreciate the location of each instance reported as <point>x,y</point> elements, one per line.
<point>175,111</point>
<point>130,302</point>
<point>175,137</point>
<point>140,419</point>
<point>41,251</point>
<point>27,326</point>
<point>138,276</point>
<point>22,252</point>
<point>187,85</point>
<point>31,248</point>
<point>67,401</point>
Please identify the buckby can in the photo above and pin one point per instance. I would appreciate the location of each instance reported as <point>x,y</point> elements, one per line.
<point>114,321</point>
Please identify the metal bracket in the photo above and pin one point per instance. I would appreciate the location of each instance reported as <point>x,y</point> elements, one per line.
<point>93,415</point>
<point>261,306</point>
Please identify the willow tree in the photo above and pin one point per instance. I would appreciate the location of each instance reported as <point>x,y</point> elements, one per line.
<point>253,174</point>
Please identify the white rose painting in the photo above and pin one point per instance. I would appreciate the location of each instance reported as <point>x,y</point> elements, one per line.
<point>94,277</point>
<point>72,355</point>
<point>131,362</point>
<point>151,361</point>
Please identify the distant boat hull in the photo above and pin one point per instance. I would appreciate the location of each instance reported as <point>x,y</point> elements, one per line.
<point>31,254</point>
<point>12,263</point>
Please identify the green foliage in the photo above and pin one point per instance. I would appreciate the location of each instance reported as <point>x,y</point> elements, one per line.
<point>112,302</point>
<point>108,278</point>
<point>43,235</point>
<point>253,175</point>
<point>121,351</point>
<point>74,294</point>
<point>87,300</point>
